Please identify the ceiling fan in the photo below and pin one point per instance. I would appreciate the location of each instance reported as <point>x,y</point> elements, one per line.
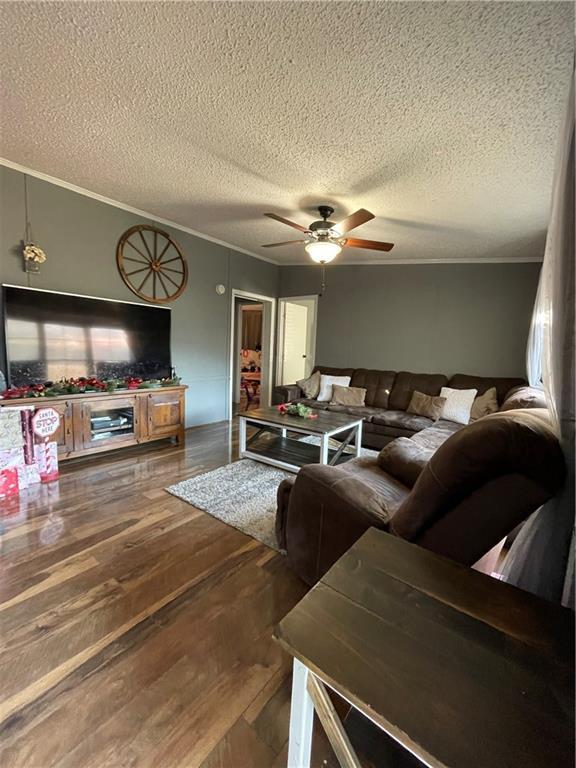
<point>324,239</point>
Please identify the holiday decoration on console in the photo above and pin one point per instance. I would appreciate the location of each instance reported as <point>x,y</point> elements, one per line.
<point>45,422</point>
<point>84,385</point>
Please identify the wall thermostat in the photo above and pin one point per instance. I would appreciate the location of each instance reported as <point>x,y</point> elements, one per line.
<point>220,289</point>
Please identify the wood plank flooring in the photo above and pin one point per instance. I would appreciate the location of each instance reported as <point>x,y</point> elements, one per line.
<point>136,630</point>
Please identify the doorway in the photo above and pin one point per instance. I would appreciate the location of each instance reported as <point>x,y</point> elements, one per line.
<point>296,338</point>
<point>251,351</point>
<point>248,374</point>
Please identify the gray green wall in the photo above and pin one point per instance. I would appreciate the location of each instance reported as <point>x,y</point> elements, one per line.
<point>79,235</point>
<point>468,318</point>
<point>446,318</point>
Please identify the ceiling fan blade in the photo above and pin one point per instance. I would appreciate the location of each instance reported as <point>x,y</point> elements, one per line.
<point>372,245</point>
<point>274,216</point>
<point>354,220</point>
<point>286,242</point>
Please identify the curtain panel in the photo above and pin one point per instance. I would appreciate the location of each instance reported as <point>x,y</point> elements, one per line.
<point>535,347</point>
<point>541,559</point>
<point>252,329</point>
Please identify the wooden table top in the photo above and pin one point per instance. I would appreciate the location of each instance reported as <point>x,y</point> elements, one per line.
<point>463,670</point>
<point>327,421</point>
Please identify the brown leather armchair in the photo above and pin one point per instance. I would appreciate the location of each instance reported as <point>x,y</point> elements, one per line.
<point>481,482</point>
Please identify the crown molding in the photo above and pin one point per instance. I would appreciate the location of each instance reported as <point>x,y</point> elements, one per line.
<point>392,262</point>
<point>130,209</point>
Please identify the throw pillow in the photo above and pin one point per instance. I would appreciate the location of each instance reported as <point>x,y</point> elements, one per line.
<point>310,386</point>
<point>326,384</point>
<point>484,404</point>
<point>404,460</point>
<point>458,404</point>
<point>524,397</point>
<point>348,395</point>
<point>426,405</point>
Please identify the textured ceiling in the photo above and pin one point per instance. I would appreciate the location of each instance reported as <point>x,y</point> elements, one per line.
<point>441,118</point>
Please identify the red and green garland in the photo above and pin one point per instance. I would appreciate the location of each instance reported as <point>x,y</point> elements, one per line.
<point>81,385</point>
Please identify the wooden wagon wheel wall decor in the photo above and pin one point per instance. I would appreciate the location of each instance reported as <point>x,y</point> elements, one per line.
<point>151,264</point>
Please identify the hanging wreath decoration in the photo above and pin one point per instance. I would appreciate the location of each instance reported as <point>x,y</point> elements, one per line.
<point>34,253</point>
<point>151,264</point>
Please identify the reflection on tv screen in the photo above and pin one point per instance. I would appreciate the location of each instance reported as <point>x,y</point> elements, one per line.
<point>51,336</point>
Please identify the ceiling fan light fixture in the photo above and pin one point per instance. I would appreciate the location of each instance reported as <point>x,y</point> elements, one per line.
<point>323,239</point>
<point>322,251</point>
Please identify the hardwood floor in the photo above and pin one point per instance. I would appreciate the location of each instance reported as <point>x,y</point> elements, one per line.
<point>136,630</point>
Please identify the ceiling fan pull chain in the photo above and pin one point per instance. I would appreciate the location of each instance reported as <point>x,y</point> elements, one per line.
<point>27,224</point>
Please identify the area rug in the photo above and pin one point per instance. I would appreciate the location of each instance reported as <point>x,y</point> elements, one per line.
<point>241,494</point>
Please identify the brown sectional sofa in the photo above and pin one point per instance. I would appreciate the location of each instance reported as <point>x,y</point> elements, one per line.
<point>456,490</point>
<point>388,395</point>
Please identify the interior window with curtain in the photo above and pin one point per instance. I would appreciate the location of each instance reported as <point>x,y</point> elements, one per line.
<point>251,329</point>
<point>535,347</point>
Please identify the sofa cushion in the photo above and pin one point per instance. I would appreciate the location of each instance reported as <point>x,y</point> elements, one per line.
<point>524,397</point>
<point>426,405</point>
<point>310,386</point>
<point>389,432</point>
<point>404,459</point>
<point>402,420</point>
<point>458,404</point>
<point>406,383</point>
<point>327,385</point>
<point>483,383</point>
<point>328,371</point>
<point>312,403</point>
<point>390,491</point>
<point>484,404</point>
<point>287,393</point>
<point>519,442</point>
<point>354,396</point>
<point>433,437</point>
<point>358,411</point>
<point>378,385</point>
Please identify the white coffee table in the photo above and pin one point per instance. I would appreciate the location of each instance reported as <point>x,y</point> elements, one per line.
<point>277,439</point>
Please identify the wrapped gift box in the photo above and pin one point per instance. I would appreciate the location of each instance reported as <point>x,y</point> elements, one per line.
<point>13,458</point>
<point>10,429</point>
<point>32,474</point>
<point>26,414</point>
<point>17,452</point>
<point>8,483</point>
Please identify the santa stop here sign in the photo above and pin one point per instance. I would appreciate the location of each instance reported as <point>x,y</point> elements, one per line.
<point>45,422</point>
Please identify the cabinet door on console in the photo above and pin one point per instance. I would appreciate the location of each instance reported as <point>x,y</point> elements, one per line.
<point>165,414</point>
<point>107,422</point>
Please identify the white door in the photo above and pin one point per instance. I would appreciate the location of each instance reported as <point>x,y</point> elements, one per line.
<point>297,339</point>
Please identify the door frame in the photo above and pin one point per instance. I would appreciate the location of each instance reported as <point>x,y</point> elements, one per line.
<point>268,326</point>
<point>280,333</point>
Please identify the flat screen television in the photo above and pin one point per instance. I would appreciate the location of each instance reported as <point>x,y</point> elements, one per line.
<point>51,336</point>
